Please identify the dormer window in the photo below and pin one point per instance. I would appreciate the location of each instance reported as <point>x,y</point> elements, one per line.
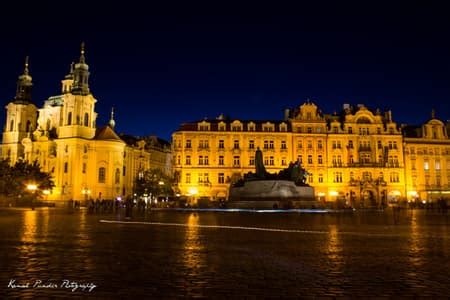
<point>236,126</point>
<point>283,127</point>
<point>222,126</point>
<point>251,126</point>
<point>203,126</point>
<point>268,127</point>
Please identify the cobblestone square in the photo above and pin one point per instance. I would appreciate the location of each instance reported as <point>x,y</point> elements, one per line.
<point>172,254</point>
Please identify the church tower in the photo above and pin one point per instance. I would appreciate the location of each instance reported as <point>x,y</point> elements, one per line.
<point>78,116</point>
<point>21,117</point>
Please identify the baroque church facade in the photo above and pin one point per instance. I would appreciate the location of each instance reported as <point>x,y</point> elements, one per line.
<point>85,161</point>
<point>359,157</point>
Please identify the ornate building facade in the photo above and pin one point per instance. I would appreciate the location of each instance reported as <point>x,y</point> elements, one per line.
<point>85,161</point>
<point>360,157</point>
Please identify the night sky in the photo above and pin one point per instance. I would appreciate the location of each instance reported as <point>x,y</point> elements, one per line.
<point>161,66</point>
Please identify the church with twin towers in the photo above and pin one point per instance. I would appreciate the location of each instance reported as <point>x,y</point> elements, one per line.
<point>86,160</point>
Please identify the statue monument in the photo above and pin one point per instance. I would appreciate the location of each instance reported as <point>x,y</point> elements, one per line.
<point>285,189</point>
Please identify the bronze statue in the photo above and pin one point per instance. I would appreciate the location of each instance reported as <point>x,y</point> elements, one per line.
<point>259,164</point>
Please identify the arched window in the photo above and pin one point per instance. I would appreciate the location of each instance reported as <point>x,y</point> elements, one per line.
<point>101,175</point>
<point>117,176</point>
<point>11,125</point>
<point>69,118</point>
<point>28,128</point>
<point>86,119</point>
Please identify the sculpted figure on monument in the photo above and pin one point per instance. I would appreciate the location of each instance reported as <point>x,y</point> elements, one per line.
<point>259,164</point>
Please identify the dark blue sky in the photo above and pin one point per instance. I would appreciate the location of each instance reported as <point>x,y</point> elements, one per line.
<point>161,66</point>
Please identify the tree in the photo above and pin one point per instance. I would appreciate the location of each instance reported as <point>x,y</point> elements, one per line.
<point>14,179</point>
<point>154,182</point>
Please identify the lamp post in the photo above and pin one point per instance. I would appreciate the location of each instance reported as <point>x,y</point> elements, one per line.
<point>32,188</point>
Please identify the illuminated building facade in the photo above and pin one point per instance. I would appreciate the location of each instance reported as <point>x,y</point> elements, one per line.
<point>85,161</point>
<point>359,157</point>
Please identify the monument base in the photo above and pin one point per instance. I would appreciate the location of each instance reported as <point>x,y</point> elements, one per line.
<point>267,194</point>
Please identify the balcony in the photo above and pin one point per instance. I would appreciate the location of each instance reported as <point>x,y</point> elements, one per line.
<point>365,165</point>
<point>365,149</point>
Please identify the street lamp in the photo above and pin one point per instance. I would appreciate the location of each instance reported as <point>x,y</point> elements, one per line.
<point>32,188</point>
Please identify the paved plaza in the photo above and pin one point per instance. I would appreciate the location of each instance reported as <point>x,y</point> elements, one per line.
<point>170,254</point>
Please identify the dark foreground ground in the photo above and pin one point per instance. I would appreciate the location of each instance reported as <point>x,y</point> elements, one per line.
<point>351,254</point>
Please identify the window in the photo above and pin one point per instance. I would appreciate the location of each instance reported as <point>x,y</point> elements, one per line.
<point>426,165</point>
<point>271,145</point>
<point>221,178</point>
<point>188,144</point>
<point>380,146</point>
<point>251,144</point>
<point>251,127</point>
<point>203,144</point>
<point>320,160</point>
<point>83,169</point>
<point>221,127</point>
<point>337,177</point>
<point>310,159</point>
<point>300,145</point>
<point>124,169</point>
<point>334,144</point>
<point>86,119</point>
<point>378,130</point>
<point>252,161</point>
<point>206,160</point>
<point>395,145</point>
<point>310,178</point>
<point>394,177</point>
<point>101,175</point>
<point>66,167</point>
<point>188,160</point>
<point>319,144</point>
<point>236,144</point>
<point>283,145</point>
<point>283,161</point>
<point>271,161</point>
<point>309,129</point>
<point>266,144</point>
<point>200,160</point>
<point>367,176</point>
<point>300,159</point>
<point>350,144</point>
<point>221,160</point>
<point>437,165</point>
<point>320,178</point>
<point>352,176</point>
<point>236,128</point>
<point>236,161</point>
<point>188,177</point>
<point>350,130</point>
<point>69,118</point>
<point>350,159</point>
<point>221,144</point>
<point>309,144</point>
<point>335,129</point>
<point>85,149</point>
<point>117,176</point>
<point>178,160</point>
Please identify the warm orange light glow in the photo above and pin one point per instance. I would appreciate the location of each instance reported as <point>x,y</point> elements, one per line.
<point>32,187</point>
<point>193,191</point>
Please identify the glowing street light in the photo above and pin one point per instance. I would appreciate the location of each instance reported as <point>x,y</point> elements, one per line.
<point>32,188</point>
